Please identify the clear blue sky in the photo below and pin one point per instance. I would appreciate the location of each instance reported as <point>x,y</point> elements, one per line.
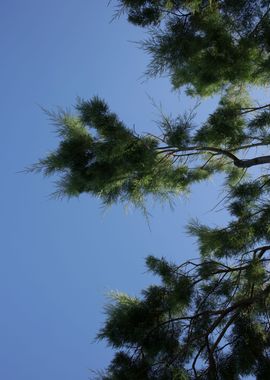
<point>60,258</point>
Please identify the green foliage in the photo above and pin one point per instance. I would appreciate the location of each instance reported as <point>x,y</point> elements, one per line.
<point>177,132</point>
<point>205,44</point>
<point>226,126</point>
<point>143,324</point>
<point>97,154</point>
<point>161,335</point>
<point>179,328</point>
<point>209,318</point>
<point>249,205</point>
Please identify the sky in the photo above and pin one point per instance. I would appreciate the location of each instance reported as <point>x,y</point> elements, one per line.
<point>61,258</point>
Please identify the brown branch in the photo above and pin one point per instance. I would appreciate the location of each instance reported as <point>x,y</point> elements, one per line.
<point>240,163</point>
<point>223,331</point>
<point>180,14</point>
<point>245,302</point>
<point>212,369</point>
<point>253,109</point>
<point>252,162</point>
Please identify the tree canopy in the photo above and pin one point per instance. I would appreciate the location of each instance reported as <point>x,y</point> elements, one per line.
<point>205,44</point>
<point>206,318</point>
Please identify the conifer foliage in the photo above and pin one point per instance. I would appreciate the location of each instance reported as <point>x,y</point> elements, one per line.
<point>207,318</point>
<point>98,154</point>
<point>205,43</point>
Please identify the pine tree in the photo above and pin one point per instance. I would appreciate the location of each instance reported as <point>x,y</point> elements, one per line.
<point>205,44</point>
<point>207,318</point>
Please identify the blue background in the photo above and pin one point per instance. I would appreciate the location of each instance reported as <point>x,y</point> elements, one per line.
<point>59,259</point>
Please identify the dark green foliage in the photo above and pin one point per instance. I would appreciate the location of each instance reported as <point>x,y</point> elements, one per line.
<point>250,207</point>
<point>143,326</point>
<point>201,320</point>
<point>205,44</point>
<point>97,154</point>
<point>206,319</point>
<point>226,126</point>
<point>198,309</point>
<point>177,133</point>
